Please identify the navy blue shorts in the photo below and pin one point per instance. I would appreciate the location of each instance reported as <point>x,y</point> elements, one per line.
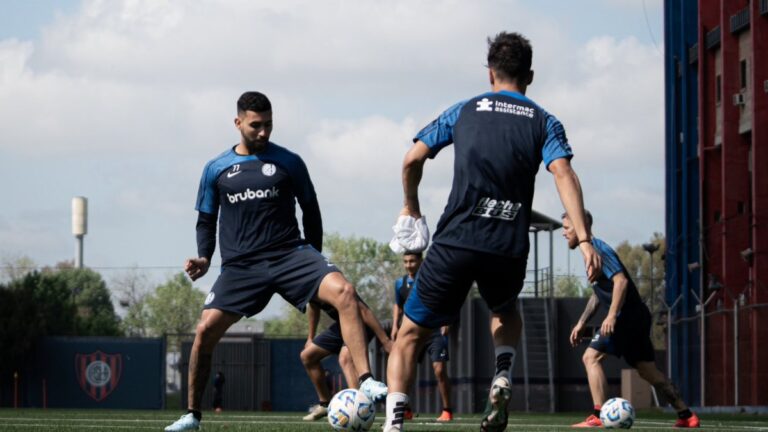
<point>631,339</point>
<point>446,276</point>
<point>437,348</point>
<point>331,340</point>
<point>245,287</point>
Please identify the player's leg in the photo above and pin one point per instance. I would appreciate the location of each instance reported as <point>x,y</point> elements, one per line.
<point>311,357</point>
<point>212,325</point>
<point>500,282</point>
<point>598,383</point>
<point>444,386</point>
<point>348,368</point>
<point>438,293</point>
<point>339,293</point>
<point>438,355</point>
<point>401,369</point>
<point>304,274</point>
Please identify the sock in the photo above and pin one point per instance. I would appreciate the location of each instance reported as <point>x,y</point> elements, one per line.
<point>597,411</point>
<point>448,410</point>
<point>396,404</point>
<point>323,404</point>
<point>505,359</point>
<point>684,414</point>
<point>364,377</point>
<point>197,414</point>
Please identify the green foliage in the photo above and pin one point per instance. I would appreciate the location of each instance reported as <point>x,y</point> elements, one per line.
<point>95,312</point>
<point>292,324</point>
<point>571,286</point>
<point>370,266</point>
<point>173,308</point>
<point>32,307</point>
<point>638,264</point>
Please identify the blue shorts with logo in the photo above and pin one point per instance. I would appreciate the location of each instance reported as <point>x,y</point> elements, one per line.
<point>446,276</point>
<point>631,339</point>
<point>245,287</point>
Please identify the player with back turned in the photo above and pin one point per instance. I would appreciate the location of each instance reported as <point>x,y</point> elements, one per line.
<point>251,190</point>
<point>500,138</point>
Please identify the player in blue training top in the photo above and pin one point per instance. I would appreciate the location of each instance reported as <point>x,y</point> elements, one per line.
<point>436,347</point>
<point>252,190</point>
<point>625,331</point>
<point>500,138</point>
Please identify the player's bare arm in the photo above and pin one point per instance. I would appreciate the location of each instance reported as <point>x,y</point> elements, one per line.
<point>396,314</point>
<point>569,189</point>
<point>620,284</point>
<point>313,317</point>
<point>589,311</point>
<point>370,320</point>
<point>413,166</point>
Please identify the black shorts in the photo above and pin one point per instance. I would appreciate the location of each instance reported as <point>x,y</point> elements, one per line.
<point>446,276</point>
<point>331,340</point>
<point>245,287</point>
<point>631,339</point>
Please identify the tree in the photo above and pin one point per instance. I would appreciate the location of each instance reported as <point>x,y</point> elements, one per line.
<point>32,307</point>
<point>132,288</point>
<point>95,312</point>
<point>16,267</point>
<point>370,266</point>
<point>174,307</point>
<point>571,286</point>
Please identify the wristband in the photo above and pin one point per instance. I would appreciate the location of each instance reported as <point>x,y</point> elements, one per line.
<point>585,241</point>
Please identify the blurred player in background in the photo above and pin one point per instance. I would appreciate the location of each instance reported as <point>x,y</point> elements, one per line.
<point>251,189</point>
<point>500,138</point>
<point>437,346</point>
<point>625,331</point>
<point>330,342</point>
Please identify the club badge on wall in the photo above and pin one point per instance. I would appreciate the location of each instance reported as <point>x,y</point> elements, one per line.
<point>98,373</point>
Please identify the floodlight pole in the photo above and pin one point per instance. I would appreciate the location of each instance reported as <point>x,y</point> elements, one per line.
<point>651,248</point>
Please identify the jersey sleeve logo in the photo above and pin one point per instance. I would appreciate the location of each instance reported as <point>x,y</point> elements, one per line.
<point>235,171</point>
<point>485,105</point>
<point>268,169</point>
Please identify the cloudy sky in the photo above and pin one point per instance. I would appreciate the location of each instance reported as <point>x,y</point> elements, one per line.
<point>124,102</point>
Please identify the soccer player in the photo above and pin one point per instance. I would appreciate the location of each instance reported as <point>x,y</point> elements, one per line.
<point>251,189</point>
<point>330,342</point>
<point>625,331</point>
<point>500,138</point>
<point>437,346</point>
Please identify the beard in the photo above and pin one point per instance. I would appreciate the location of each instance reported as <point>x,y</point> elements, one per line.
<point>255,146</point>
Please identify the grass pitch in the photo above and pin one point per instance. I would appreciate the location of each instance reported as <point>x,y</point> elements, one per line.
<point>13,420</point>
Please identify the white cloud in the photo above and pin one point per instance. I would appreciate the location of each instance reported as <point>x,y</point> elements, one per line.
<point>126,101</point>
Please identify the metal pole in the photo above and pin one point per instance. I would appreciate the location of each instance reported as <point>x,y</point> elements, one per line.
<point>536,264</point>
<point>551,263</point>
<point>652,308</point>
<point>79,252</point>
<point>735,352</point>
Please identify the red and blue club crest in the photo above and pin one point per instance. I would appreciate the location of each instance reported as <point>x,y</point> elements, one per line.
<point>98,373</point>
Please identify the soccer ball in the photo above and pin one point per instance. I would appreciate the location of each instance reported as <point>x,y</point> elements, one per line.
<point>351,410</point>
<point>617,413</point>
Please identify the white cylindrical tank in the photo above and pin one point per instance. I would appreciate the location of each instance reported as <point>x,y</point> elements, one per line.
<point>79,216</point>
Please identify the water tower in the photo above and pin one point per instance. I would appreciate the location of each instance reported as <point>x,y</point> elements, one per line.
<point>79,226</point>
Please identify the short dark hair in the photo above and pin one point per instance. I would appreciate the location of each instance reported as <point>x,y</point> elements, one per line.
<point>253,101</point>
<point>419,255</point>
<point>510,56</point>
<point>587,215</point>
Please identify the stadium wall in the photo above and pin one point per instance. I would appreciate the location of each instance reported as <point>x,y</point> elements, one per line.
<point>88,372</point>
